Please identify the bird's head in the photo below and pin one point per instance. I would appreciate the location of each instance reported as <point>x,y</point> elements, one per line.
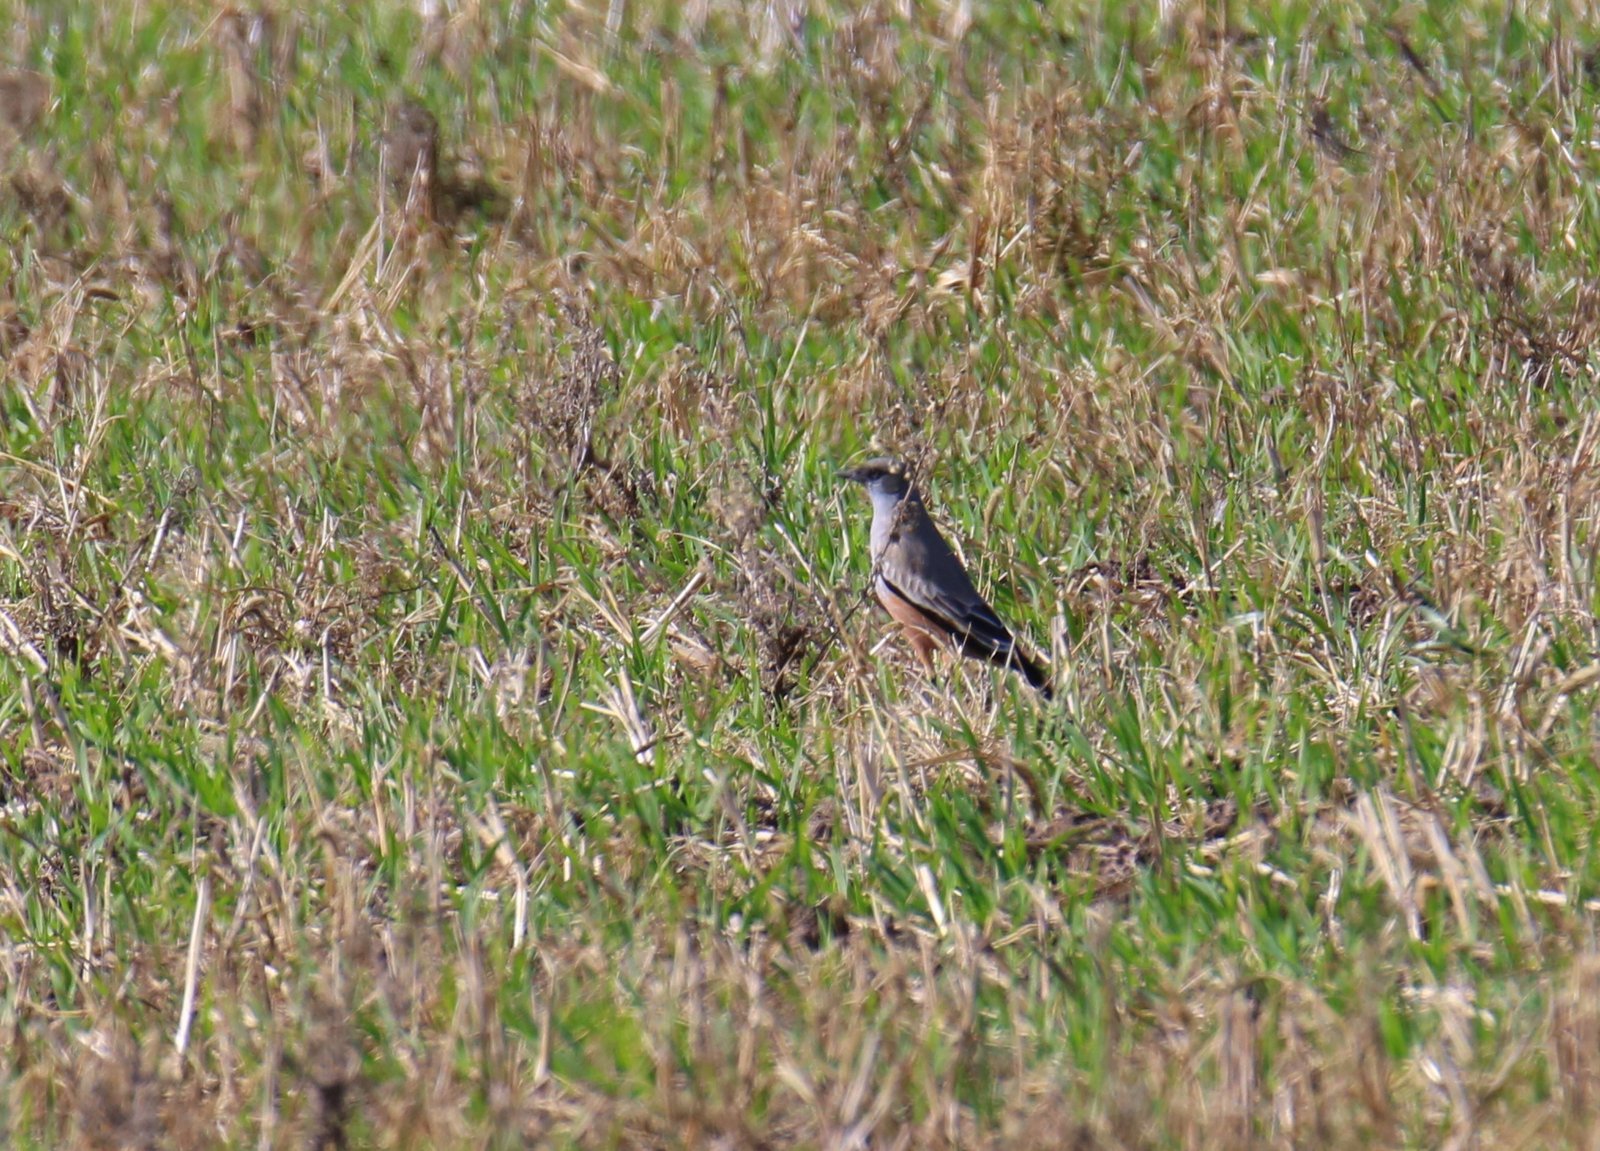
<point>884,478</point>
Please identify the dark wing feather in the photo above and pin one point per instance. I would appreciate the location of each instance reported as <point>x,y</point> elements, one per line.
<point>947,595</point>
<point>929,574</point>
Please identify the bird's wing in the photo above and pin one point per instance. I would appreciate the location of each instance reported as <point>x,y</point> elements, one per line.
<point>920,567</point>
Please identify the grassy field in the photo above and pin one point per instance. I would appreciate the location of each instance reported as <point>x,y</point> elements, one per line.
<point>439,705</point>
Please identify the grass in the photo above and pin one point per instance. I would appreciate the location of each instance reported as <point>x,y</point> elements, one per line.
<point>438,702</point>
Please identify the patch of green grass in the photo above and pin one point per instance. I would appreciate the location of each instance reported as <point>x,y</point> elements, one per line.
<point>436,681</point>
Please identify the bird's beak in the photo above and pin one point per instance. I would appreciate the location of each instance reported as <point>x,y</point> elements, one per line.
<point>852,474</point>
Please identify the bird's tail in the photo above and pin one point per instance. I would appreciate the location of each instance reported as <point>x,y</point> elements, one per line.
<point>1002,650</point>
<point>1037,675</point>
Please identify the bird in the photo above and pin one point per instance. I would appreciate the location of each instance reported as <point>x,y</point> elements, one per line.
<point>923,584</point>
